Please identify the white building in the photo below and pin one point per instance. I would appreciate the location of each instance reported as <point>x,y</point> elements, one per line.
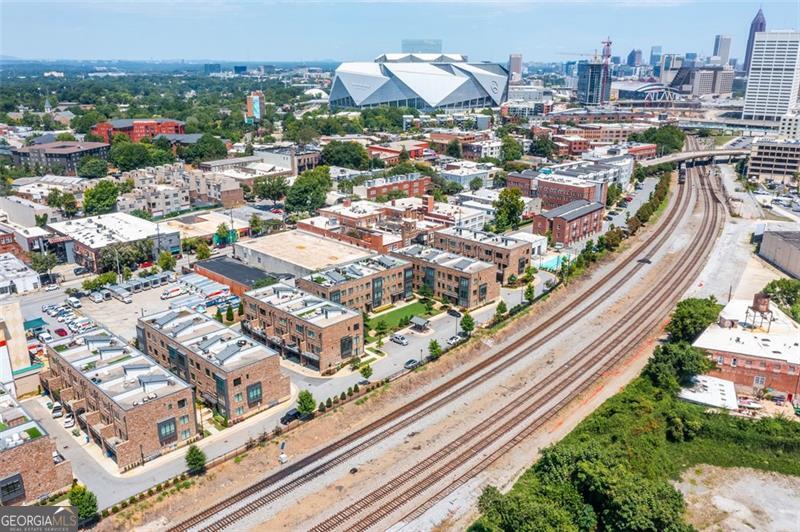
<point>15,277</point>
<point>462,172</point>
<point>773,84</point>
<point>790,125</point>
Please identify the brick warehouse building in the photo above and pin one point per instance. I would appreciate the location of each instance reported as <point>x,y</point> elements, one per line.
<point>239,277</point>
<point>138,128</point>
<point>755,345</point>
<point>307,329</point>
<point>128,405</point>
<point>509,255</point>
<point>232,374</point>
<point>65,153</point>
<point>30,465</point>
<point>571,222</point>
<point>365,285</point>
<point>558,190</point>
<point>463,281</point>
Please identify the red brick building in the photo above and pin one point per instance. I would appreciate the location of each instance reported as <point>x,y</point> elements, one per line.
<point>558,190</point>
<point>571,222</point>
<point>412,185</point>
<point>570,145</point>
<point>238,276</point>
<point>390,153</point>
<point>138,128</point>
<point>524,181</point>
<point>755,345</point>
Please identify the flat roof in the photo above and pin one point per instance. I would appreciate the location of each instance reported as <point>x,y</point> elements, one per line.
<point>483,237</point>
<point>445,259</point>
<point>356,209</point>
<point>573,210</point>
<point>12,268</point>
<point>305,249</point>
<point>24,427</point>
<point>234,270</point>
<point>62,147</point>
<point>207,338</point>
<point>113,228</point>
<point>711,391</point>
<point>300,304</point>
<point>355,270</point>
<point>121,372</point>
<point>791,238</point>
<point>778,340</point>
<point>203,224</point>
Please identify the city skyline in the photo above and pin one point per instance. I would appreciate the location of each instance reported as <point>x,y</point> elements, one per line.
<point>342,30</point>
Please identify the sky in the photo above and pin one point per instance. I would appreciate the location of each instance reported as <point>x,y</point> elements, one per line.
<point>352,30</point>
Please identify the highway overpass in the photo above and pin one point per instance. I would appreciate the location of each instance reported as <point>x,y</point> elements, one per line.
<point>698,157</point>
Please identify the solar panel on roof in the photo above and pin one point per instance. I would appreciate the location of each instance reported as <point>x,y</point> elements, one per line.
<point>336,276</point>
<point>163,320</point>
<point>228,352</point>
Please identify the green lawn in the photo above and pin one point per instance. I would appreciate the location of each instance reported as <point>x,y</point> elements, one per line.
<point>722,139</point>
<point>393,317</point>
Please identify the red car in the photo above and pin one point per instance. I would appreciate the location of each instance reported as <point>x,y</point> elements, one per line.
<point>629,199</point>
<point>61,332</point>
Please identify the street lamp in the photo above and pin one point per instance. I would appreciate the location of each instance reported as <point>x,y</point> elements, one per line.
<point>420,355</point>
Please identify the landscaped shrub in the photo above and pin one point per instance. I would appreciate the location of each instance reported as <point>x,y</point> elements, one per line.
<point>355,388</point>
<point>104,513</point>
<point>350,391</point>
<point>114,509</point>
<point>328,403</point>
<point>342,396</point>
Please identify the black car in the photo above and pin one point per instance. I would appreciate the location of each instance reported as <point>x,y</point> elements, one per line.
<point>453,312</point>
<point>80,271</point>
<point>290,416</point>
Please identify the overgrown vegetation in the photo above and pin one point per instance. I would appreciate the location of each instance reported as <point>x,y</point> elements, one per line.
<point>786,294</point>
<point>613,471</point>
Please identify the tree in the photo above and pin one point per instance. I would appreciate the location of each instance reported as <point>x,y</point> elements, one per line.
<point>510,149</point>
<point>167,261</point>
<point>305,403</point>
<point>40,219</point>
<point>69,205</point>
<point>543,147</point>
<point>272,188</point>
<point>669,139</point>
<point>128,155</point>
<point>65,136</point>
<point>223,234</point>
<point>475,184</point>
<point>381,328</point>
<point>206,148</point>
<point>425,291</point>
<point>229,313</point>
<point>249,150</point>
<point>454,149</point>
<point>366,371</point>
<point>139,213</point>
<point>92,167</point>
<point>434,349</point>
<point>346,154</point>
<point>195,460</point>
<point>308,192</point>
<point>529,292</point>
<point>240,309</point>
<point>676,364</point>
<point>218,315</point>
<point>691,317</point>
<point>54,198</point>
<point>84,501</point>
<point>43,262</point>
<point>256,226</point>
<point>508,209</point>
<point>467,323</point>
<point>613,195</point>
<point>101,198</point>
<point>202,250</point>
<point>500,311</point>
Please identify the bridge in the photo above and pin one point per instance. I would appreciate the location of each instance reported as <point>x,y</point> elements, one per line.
<point>698,157</point>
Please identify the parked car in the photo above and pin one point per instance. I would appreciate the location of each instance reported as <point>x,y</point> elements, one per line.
<point>453,340</point>
<point>51,288</point>
<point>290,416</point>
<point>399,339</point>
<point>454,312</point>
<point>80,271</point>
<point>57,411</point>
<point>45,337</point>
<point>73,302</point>
<point>69,423</point>
<point>411,363</point>
<point>61,332</point>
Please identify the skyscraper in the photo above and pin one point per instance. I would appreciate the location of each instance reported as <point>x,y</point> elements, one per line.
<point>593,86</point>
<point>515,68</point>
<point>256,107</point>
<point>759,24</point>
<point>655,55</point>
<point>722,48</point>
<point>635,58</point>
<point>421,46</point>
<point>773,84</point>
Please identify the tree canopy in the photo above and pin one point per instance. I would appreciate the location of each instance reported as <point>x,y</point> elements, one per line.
<point>101,198</point>
<point>509,207</point>
<point>691,317</point>
<point>92,167</point>
<point>308,192</point>
<point>346,154</point>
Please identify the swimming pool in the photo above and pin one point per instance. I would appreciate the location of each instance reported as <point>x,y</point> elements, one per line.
<point>554,263</point>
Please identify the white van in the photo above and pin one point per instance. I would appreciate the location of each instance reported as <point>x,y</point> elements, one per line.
<point>171,292</point>
<point>73,302</point>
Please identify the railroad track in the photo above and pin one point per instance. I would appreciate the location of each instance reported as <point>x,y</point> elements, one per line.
<point>531,411</point>
<point>265,491</point>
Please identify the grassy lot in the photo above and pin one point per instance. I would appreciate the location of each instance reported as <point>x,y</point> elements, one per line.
<point>393,317</point>
<point>722,139</point>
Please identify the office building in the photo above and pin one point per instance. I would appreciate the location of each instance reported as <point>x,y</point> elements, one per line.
<point>722,48</point>
<point>86,238</point>
<point>594,83</point>
<point>634,58</point>
<point>773,84</point>
<point>790,125</point>
<point>414,184</point>
<point>510,256</point>
<point>782,248</point>
<point>421,46</point>
<point>239,70</point>
<point>31,468</point>
<point>15,276</point>
<point>366,285</point>
<point>571,222</point>
<point>61,155</point>
<point>774,159</point>
<point>758,25</point>
<point>422,81</point>
<point>137,129</point>
<point>212,68</point>
<point>231,374</point>
<point>754,344</point>
<point>304,328</point>
<point>655,56</point>
<point>124,402</point>
<point>256,107</point>
<point>515,67</point>
<point>456,279</point>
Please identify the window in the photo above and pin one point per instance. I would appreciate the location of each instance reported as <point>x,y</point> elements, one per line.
<point>185,434</point>
<point>166,431</point>
<point>298,328</point>
<point>254,394</point>
<point>239,410</point>
<point>208,373</point>
<point>733,362</point>
<point>181,403</point>
<point>11,489</point>
<point>759,380</point>
<point>184,420</point>
<point>169,406</point>
<point>720,360</point>
<point>237,381</point>
<point>238,397</point>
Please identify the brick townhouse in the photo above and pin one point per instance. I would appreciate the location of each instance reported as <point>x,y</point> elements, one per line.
<point>310,330</point>
<point>128,405</point>
<point>510,256</point>
<point>571,222</point>
<point>233,375</point>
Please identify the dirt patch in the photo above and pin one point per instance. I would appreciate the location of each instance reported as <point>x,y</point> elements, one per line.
<point>743,499</point>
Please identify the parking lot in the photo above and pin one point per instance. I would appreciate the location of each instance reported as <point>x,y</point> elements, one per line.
<point>120,318</point>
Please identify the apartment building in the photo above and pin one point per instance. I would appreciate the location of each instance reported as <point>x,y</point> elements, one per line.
<point>460,280</point>
<point>63,154</point>
<point>774,159</point>
<point>414,184</point>
<point>477,150</point>
<point>463,172</point>
<point>31,468</point>
<point>571,222</point>
<point>304,328</point>
<point>390,153</point>
<point>127,404</point>
<point>509,255</point>
<point>233,375</point>
<point>200,185</point>
<point>157,200</point>
<point>138,128</point>
<point>556,190</point>
<point>364,285</point>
